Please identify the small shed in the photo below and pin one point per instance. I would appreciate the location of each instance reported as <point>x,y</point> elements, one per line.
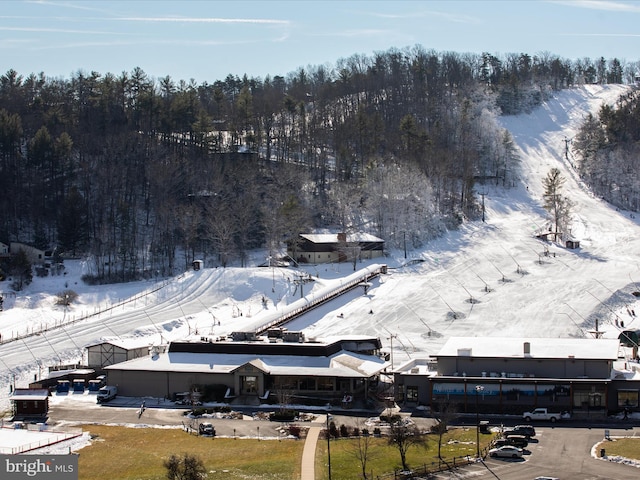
<point>197,265</point>
<point>573,244</point>
<point>30,403</point>
<point>103,354</point>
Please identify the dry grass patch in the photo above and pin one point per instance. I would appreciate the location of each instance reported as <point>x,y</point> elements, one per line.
<point>384,458</point>
<point>139,453</point>
<point>623,447</point>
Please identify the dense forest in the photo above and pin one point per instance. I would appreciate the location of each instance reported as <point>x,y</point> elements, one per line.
<point>607,152</point>
<point>143,175</point>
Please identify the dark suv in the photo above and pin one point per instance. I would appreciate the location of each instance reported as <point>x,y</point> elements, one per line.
<point>525,430</point>
<point>519,441</point>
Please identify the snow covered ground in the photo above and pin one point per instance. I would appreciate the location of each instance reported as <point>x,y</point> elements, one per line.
<point>487,279</point>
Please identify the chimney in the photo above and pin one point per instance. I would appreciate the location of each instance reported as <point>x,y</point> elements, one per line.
<point>527,348</point>
<point>342,237</point>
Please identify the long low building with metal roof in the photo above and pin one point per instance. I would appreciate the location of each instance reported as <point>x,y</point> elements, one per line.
<point>315,371</point>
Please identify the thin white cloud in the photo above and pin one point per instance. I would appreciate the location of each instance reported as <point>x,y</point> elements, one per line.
<point>57,30</point>
<point>448,16</point>
<point>600,5</point>
<point>620,35</point>
<point>364,32</point>
<point>204,20</point>
<point>130,43</point>
<point>86,6</point>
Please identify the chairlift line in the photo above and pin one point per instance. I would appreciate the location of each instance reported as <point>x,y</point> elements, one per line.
<point>512,258</point>
<point>455,314</point>
<point>604,304</point>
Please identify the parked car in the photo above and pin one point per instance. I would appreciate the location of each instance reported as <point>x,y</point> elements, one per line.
<point>524,430</point>
<point>507,451</point>
<point>519,441</point>
<point>206,428</point>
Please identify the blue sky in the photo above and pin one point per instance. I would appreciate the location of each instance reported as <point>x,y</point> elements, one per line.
<point>207,40</point>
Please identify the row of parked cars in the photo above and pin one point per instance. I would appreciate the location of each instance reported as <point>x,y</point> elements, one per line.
<point>513,442</point>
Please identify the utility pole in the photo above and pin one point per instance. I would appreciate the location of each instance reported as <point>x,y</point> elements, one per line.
<point>479,389</point>
<point>482,195</point>
<point>329,445</point>
<point>391,337</point>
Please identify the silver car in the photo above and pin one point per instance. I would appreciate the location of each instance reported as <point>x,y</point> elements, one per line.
<point>507,451</point>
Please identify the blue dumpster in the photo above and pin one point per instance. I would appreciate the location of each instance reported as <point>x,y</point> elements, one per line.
<point>63,386</point>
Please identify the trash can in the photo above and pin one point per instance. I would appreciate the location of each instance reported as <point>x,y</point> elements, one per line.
<point>484,426</point>
<point>602,453</point>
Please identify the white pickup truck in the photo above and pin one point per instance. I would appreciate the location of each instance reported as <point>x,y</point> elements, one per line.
<point>541,414</point>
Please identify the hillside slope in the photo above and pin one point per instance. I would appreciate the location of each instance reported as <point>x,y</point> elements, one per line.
<point>487,279</point>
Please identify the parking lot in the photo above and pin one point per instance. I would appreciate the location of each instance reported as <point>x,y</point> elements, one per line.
<point>564,452</point>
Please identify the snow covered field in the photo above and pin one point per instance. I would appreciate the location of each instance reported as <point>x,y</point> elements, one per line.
<point>487,279</point>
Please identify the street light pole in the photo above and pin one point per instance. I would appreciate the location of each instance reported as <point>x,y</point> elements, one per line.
<point>329,445</point>
<point>479,389</point>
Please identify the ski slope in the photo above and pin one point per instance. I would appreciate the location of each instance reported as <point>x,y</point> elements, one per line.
<point>488,278</point>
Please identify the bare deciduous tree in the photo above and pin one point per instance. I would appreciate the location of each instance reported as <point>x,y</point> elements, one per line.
<point>403,436</point>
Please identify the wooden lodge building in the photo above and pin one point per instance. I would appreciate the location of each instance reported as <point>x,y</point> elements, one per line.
<point>335,247</point>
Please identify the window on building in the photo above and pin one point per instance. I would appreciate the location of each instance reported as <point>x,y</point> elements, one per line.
<point>412,394</point>
<point>627,398</point>
<point>325,384</point>
<point>307,384</point>
<point>286,383</point>
<point>587,400</point>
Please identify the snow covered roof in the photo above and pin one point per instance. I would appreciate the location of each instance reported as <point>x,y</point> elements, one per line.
<point>502,347</point>
<point>29,394</point>
<point>126,343</point>
<point>333,237</point>
<point>70,373</point>
<point>342,364</point>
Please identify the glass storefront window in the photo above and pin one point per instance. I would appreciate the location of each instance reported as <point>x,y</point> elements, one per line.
<point>412,394</point>
<point>325,384</point>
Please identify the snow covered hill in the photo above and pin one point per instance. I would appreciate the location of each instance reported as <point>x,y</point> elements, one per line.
<point>491,278</point>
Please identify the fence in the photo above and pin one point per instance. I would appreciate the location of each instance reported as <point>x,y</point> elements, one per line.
<point>71,320</point>
<point>431,468</point>
<point>320,299</point>
<point>46,439</point>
